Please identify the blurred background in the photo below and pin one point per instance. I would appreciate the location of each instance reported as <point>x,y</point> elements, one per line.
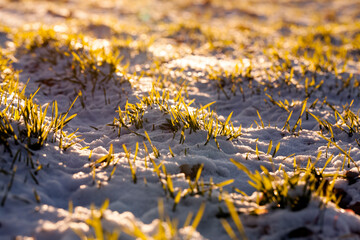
<point>302,12</point>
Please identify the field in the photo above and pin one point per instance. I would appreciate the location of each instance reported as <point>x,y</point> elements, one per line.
<point>157,119</point>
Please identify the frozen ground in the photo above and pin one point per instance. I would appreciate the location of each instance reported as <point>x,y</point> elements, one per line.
<point>239,56</point>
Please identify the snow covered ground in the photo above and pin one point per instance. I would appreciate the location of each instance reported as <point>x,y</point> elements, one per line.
<point>282,80</point>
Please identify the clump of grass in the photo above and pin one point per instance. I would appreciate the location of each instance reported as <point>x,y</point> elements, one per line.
<point>96,225</point>
<point>25,125</point>
<point>179,117</point>
<point>196,186</point>
<point>284,105</point>
<point>230,82</point>
<point>37,128</point>
<point>347,122</point>
<point>68,140</point>
<point>295,191</point>
<point>298,121</point>
<point>110,159</point>
<point>167,228</point>
<point>6,132</point>
<point>34,128</point>
<point>89,66</point>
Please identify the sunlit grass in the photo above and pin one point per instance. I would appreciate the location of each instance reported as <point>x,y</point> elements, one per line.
<point>296,78</point>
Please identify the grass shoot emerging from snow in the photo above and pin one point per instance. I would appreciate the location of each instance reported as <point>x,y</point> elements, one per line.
<point>169,101</point>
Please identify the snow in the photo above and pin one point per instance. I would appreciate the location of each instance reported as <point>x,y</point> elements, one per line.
<point>67,176</point>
